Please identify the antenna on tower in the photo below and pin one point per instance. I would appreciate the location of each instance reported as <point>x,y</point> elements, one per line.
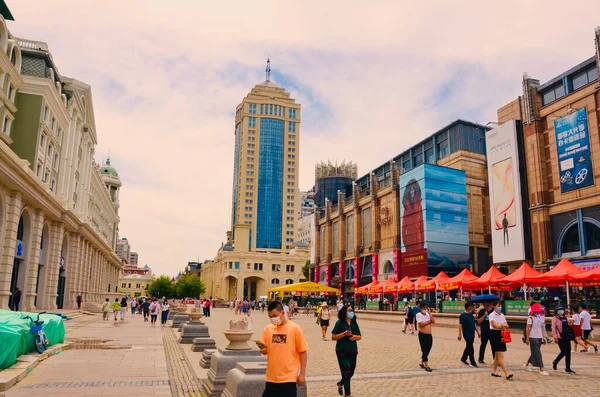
<point>108,158</point>
<point>268,69</point>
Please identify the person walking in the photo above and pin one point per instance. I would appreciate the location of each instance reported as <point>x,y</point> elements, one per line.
<point>116,306</point>
<point>424,322</point>
<point>562,330</point>
<point>164,312</point>
<point>323,319</point>
<point>154,308</point>
<point>497,324</point>
<point>16,299</point>
<point>577,329</point>
<point>123,308</point>
<point>285,346</point>
<point>483,320</point>
<point>133,306</point>
<point>409,318</point>
<point>534,338</point>
<point>467,329</point>
<point>586,328</point>
<point>207,307</point>
<point>346,333</point>
<point>105,309</point>
<point>146,309</point>
<point>79,300</point>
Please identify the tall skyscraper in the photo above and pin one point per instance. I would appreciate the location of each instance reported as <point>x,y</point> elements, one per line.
<point>265,173</point>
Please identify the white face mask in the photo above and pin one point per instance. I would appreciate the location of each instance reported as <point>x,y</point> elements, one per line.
<point>275,320</point>
<point>424,311</point>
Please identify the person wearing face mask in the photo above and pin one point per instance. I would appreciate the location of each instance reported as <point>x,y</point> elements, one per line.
<point>346,333</point>
<point>534,337</point>
<point>497,324</point>
<point>286,349</point>
<point>424,321</point>
<point>467,329</point>
<point>562,330</point>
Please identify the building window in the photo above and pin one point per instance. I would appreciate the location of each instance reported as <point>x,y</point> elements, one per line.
<point>10,91</point>
<point>292,113</point>
<point>46,175</point>
<point>258,266</point>
<point>52,185</point>
<point>6,125</point>
<point>275,281</point>
<point>366,227</point>
<point>443,148</point>
<point>39,170</point>
<point>237,265</point>
<point>553,94</point>
<point>46,113</point>
<point>252,108</point>
<point>270,109</point>
<point>292,126</point>
<point>290,268</point>
<point>289,281</point>
<point>349,233</point>
<point>262,108</point>
<point>129,285</point>
<point>418,158</point>
<point>335,238</point>
<point>13,57</point>
<point>429,156</point>
<point>252,122</point>
<point>275,267</point>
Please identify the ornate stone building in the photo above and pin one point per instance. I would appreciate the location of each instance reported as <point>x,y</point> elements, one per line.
<point>58,220</point>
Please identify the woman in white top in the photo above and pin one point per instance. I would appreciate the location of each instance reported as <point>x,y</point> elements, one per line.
<point>323,319</point>
<point>534,337</point>
<point>497,324</point>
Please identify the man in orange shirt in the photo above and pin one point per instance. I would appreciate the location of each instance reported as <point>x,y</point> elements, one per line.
<point>284,345</point>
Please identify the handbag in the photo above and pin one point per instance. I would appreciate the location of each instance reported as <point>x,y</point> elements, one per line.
<point>505,335</point>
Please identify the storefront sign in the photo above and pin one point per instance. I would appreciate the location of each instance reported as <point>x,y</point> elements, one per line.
<point>589,264</point>
<point>328,274</point>
<point>573,147</point>
<point>317,271</point>
<point>396,263</point>
<point>414,264</point>
<point>372,305</point>
<point>517,308</point>
<point>375,266</point>
<point>453,306</point>
<point>356,272</point>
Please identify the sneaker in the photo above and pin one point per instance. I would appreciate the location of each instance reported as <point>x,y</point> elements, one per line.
<point>544,373</point>
<point>473,365</point>
<point>585,351</point>
<point>554,365</point>
<point>466,363</point>
<point>531,369</point>
<point>569,371</point>
<point>481,362</point>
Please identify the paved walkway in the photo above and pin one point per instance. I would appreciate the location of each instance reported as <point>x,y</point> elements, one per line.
<point>131,358</point>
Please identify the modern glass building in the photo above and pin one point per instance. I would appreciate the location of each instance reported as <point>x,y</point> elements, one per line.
<point>265,174</point>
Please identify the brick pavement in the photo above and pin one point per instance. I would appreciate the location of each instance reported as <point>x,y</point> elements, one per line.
<point>146,361</point>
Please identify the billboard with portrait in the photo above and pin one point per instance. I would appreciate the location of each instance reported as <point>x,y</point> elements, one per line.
<point>573,147</point>
<point>434,221</point>
<point>505,194</point>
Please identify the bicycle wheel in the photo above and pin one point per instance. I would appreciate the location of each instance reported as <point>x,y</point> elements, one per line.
<point>44,338</point>
<point>39,344</point>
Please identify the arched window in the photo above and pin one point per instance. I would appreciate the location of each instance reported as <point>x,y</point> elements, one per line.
<point>289,281</point>
<point>13,57</point>
<point>388,267</point>
<point>367,270</point>
<point>350,272</point>
<point>592,236</point>
<point>275,281</point>
<point>570,242</point>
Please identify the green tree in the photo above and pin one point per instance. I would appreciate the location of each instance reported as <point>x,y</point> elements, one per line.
<point>306,269</point>
<point>161,286</point>
<point>189,286</point>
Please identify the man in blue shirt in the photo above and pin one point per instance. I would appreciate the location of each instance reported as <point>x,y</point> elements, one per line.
<point>467,329</point>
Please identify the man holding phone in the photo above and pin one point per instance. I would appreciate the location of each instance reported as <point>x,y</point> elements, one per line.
<point>285,346</point>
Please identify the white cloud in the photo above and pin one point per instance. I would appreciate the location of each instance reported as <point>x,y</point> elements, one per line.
<point>166,77</point>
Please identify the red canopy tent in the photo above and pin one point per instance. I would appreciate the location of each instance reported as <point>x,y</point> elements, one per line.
<point>487,280</point>
<point>419,281</point>
<point>405,285</point>
<point>432,285</point>
<point>459,280</point>
<point>522,276</point>
<point>559,275</point>
<point>589,278</point>
<point>365,288</point>
<point>381,287</point>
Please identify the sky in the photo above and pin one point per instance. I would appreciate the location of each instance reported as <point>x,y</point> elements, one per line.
<point>373,78</point>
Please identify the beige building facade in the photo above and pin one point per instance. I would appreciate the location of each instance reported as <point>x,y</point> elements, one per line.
<point>57,221</point>
<point>238,273</point>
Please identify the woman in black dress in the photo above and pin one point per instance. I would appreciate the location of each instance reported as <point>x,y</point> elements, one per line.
<point>346,333</point>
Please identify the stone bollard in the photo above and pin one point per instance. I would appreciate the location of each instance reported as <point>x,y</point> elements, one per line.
<point>247,379</point>
<point>172,312</point>
<point>194,328</point>
<point>223,360</point>
<point>206,356</point>
<point>180,318</point>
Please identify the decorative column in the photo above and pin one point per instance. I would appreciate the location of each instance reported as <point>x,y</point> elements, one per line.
<point>57,235</point>
<point>14,206</point>
<point>72,270</point>
<point>32,262</point>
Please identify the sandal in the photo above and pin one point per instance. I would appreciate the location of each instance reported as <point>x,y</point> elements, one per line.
<point>422,366</point>
<point>340,390</point>
<point>428,369</point>
<point>496,375</point>
<point>509,377</point>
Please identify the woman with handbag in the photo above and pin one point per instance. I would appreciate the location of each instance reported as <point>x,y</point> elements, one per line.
<point>499,337</point>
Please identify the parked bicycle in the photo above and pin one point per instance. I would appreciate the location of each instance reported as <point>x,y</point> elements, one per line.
<point>40,340</point>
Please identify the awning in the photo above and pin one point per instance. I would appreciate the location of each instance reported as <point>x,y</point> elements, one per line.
<point>589,278</point>
<point>383,287</point>
<point>523,275</point>
<point>405,285</point>
<point>430,285</point>
<point>365,288</point>
<point>487,279</point>
<point>459,280</point>
<point>564,271</point>
<point>306,286</point>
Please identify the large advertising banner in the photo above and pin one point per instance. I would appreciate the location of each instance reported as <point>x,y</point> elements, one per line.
<point>434,221</point>
<point>573,147</point>
<point>508,243</point>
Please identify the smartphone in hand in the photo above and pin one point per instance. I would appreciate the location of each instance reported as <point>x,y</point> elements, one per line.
<point>260,344</point>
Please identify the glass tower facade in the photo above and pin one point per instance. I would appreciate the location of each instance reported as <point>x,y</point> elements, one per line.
<point>236,175</point>
<point>270,184</point>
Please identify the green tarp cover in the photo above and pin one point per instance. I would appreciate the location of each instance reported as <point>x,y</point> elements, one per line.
<point>16,338</point>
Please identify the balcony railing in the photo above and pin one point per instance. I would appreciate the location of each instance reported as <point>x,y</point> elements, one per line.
<point>32,44</point>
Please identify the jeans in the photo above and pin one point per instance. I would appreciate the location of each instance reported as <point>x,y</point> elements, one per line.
<point>469,350</point>
<point>426,342</point>
<point>485,337</point>
<point>280,389</point>
<point>164,316</point>
<point>153,318</point>
<point>565,351</point>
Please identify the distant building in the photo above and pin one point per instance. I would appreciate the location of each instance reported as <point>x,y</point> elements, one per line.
<point>133,258</point>
<point>329,178</point>
<point>123,250</point>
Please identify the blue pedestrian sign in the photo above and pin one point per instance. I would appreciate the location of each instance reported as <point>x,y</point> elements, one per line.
<point>573,147</point>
